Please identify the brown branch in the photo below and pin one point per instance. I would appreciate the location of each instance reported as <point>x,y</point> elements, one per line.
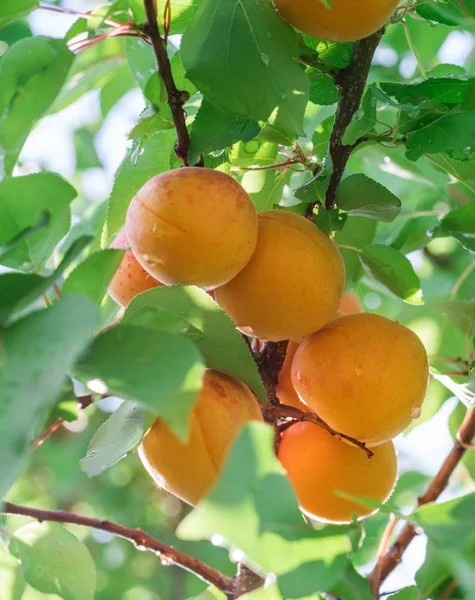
<point>350,82</point>
<point>269,362</point>
<point>274,412</point>
<point>176,98</point>
<point>375,576</point>
<point>448,590</point>
<point>464,438</point>
<point>138,537</point>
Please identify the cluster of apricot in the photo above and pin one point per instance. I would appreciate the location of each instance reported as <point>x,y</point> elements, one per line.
<point>279,278</point>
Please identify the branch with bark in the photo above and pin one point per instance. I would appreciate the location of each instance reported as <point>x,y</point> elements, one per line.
<point>138,537</point>
<point>393,556</point>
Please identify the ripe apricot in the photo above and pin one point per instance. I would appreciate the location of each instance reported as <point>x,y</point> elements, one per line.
<point>291,286</point>
<point>192,226</point>
<point>350,304</point>
<point>344,21</point>
<point>189,469</point>
<point>130,278</point>
<point>365,375</point>
<point>318,464</point>
<point>285,388</point>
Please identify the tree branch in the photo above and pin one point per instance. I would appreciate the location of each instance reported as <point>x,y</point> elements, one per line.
<point>274,412</point>
<point>138,537</point>
<point>176,98</point>
<point>269,362</point>
<point>350,82</point>
<point>463,441</point>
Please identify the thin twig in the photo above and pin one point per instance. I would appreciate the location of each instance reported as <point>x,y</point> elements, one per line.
<point>41,440</point>
<point>462,279</point>
<point>350,82</point>
<point>274,412</point>
<point>464,438</point>
<point>138,537</point>
<point>176,98</point>
<point>382,549</point>
<point>79,15</point>
<point>448,590</point>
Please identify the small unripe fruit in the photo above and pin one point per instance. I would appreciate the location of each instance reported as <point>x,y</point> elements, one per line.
<point>344,21</point>
<point>291,286</point>
<point>130,278</point>
<point>192,226</point>
<point>364,375</point>
<point>318,464</point>
<point>189,469</point>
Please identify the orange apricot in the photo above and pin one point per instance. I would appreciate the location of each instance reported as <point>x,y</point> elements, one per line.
<point>291,286</point>
<point>319,464</point>
<point>344,21</point>
<point>189,469</point>
<point>364,374</point>
<point>192,226</point>
<point>285,390</point>
<point>350,304</point>
<point>130,278</point>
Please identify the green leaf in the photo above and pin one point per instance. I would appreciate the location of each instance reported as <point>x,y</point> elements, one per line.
<point>409,593</point>
<point>461,313</point>
<point>208,327</point>
<point>37,352</point>
<point>448,90</point>
<point>115,438</point>
<point>465,392</point>
<point>215,128</point>
<point>353,586</point>
<point>265,187</point>
<point>448,12</point>
<point>54,561</point>
<point>23,203</point>
<point>321,137</point>
<point>359,195</point>
<point>329,220</point>
<point>435,571</point>
<point>451,132</point>
<point>182,12</point>
<point>13,9</point>
<point>358,232</point>
<point>255,510</point>
<point>132,175</point>
<point>149,125</point>
<point>12,584</point>
<point>86,155</point>
<point>393,270</point>
<point>18,239</point>
<point>92,277</point>
<point>323,90</point>
<point>161,371</point>
<point>459,220</point>
<point>32,72</point>
<point>259,49</point>
<point>257,152</point>
<point>449,524</point>
<point>19,290</point>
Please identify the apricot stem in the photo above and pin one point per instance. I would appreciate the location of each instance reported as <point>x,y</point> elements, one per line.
<point>138,537</point>
<point>274,412</point>
<point>176,98</point>
<point>350,82</point>
<point>462,443</point>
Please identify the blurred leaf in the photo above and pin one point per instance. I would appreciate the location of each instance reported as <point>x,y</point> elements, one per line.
<point>13,9</point>
<point>448,12</point>
<point>393,270</point>
<point>208,327</point>
<point>358,232</point>
<point>435,570</point>
<point>459,220</point>
<point>54,561</point>
<point>321,136</point>
<point>19,290</point>
<point>465,392</point>
<point>359,195</point>
<point>12,584</point>
<point>409,593</point>
<point>214,128</point>
<point>461,313</point>
<point>353,586</point>
<point>32,72</point>
<point>364,121</point>
<point>37,352</point>
<point>448,90</point>
<point>265,187</point>
<point>92,277</point>
<point>149,125</point>
<point>261,52</point>
<point>449,524</point>
<point>182,12</point>
<point>141,60</point>
<point>454,131</point>
<point>116,88</point>
<point>23,202</point>
<point>253,153</point>
<point>86,155</point>
<point>131,176</point>
<point>255,510</point>
<point>115,438</point>
<point>161,371</point>
<point>18,239</point>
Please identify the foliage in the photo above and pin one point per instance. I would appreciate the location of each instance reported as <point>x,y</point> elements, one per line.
<point>261,107</point>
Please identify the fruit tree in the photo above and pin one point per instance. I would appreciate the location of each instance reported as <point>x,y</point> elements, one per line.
<point>237,299</point>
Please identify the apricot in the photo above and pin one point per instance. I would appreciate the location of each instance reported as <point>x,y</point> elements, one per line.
<point>130,278</point>
<point>345,21</point>
<point>192,226</point>
<point>291,286</point>
<point>285,388</point>
<point>318,464</point>
<point>365,375</point>
<point>189,469</point>
<point>350,304</point>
